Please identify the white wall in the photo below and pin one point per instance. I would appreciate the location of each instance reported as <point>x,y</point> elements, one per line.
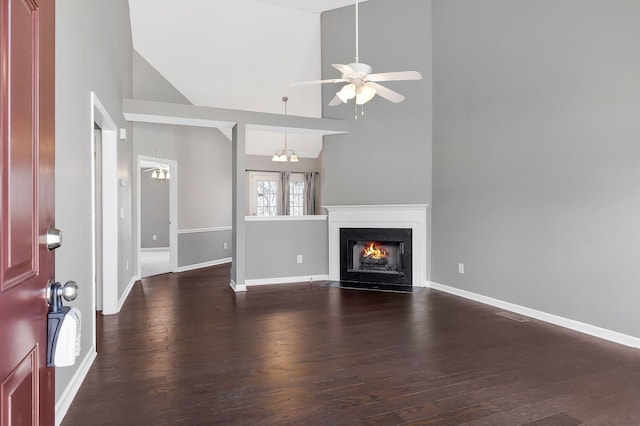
<point>248,52</point>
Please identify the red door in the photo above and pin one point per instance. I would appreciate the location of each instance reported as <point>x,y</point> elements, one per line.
<point>27,191</point>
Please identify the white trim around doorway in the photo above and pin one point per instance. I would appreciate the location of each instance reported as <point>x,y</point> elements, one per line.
<point>100,115</point>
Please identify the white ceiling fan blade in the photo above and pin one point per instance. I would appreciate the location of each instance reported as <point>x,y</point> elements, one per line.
<point>344,69</point>
<point>307,83</point>
<point>335,101</point>
<point>394,76</point>
<point>388,94</point>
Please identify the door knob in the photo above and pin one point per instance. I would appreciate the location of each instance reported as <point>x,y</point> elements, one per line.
<point>54,238</point>
<point>69,291</point>
<point>56,292</point>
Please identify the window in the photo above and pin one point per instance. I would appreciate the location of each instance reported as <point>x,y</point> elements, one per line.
<point>296,194</point>
<point>264,194</point>
<point>266,201</point>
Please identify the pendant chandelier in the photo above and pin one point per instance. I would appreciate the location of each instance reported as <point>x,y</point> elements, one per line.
<point>284,155</point>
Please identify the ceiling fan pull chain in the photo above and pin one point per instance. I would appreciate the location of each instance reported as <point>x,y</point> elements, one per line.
<point>356,105</point>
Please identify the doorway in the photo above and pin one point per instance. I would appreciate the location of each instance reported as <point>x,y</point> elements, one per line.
<point>157,212</point>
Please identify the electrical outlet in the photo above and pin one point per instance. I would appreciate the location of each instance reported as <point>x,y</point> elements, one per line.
<point>127,265</point>
<point>299,258</point>
<point>461,268</point>
<point>155,237</point>
<point>224,246</point>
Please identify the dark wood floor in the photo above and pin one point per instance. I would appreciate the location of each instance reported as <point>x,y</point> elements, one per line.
<point>186,350</point>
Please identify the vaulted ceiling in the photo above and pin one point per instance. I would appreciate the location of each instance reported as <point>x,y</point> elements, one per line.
<point>238,54</point>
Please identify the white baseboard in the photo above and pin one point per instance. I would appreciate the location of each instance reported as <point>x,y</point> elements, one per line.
<point>126,292</point>
<point>237,287</point>
<point>592,330</point>
<point>70,392</point>
<point>286,280</point>
<point>203,265</point>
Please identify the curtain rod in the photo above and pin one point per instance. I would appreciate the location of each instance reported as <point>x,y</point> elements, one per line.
<point>275,171</point>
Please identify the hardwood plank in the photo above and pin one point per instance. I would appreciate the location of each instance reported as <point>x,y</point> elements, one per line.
<point>185,349</point>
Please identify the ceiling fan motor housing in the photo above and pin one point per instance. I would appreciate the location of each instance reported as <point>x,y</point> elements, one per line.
<point>361,69</point>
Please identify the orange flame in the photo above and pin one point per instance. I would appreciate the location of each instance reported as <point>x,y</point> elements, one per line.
<point>374,252</point>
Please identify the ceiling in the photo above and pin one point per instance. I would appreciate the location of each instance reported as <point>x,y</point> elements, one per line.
<point>239,54</point>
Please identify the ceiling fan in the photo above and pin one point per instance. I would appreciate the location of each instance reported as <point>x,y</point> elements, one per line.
<point>361,83</point>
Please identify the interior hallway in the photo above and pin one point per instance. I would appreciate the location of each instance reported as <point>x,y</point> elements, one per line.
<point>186,350</point>
<point>154,262</point>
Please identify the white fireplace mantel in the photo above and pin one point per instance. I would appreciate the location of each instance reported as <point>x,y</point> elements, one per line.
<point>413,216</point>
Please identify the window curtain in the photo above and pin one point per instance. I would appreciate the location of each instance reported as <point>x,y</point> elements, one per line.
<point>310,193</point>
<point>284,193</point>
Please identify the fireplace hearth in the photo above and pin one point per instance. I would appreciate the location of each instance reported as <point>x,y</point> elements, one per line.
<point>376,255</point>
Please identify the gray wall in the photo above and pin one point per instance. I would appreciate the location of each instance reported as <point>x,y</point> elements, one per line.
<point>150,85</point>
<point>535,153</point>
<point>93,53</point>
<point>154,211</point>
<point>391,141</point>
<point>202,247</point>
<point>204,184</point>
<point>272,248</point>
<point>204,170</point>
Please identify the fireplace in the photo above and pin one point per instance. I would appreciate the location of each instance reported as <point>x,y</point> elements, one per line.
<point>376,255</point>
<point>407,216</point>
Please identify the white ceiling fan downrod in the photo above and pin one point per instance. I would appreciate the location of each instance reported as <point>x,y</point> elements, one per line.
<point>357,58</point>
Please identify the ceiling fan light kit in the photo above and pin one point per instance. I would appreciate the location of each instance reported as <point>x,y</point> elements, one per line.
<point>364,94</point>
<point>361,83</point>
<point>160,173</point>
<point>347,92</point>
